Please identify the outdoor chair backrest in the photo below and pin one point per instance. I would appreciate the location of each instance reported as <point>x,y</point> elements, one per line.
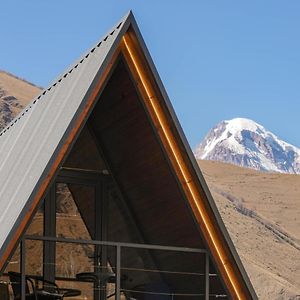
<point>4,291</point>
<point>15,279</point>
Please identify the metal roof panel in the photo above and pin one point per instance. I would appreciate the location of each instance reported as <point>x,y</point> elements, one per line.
<point>29,141</point>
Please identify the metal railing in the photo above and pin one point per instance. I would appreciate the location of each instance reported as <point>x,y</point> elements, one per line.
<point>119,246</point>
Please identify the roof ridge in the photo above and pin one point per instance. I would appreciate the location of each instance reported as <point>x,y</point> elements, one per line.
<point>65,74</point>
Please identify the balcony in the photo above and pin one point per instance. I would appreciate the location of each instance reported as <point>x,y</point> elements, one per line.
<point>131,271</point>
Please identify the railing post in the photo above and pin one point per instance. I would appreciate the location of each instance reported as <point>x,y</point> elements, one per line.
<point>49,252</point>
<point>118,279</point>
<point>206,276</point>
<point>23,276</point>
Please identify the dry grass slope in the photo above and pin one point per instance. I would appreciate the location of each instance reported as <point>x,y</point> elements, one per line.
<point>261,212</point>
<point>23,90</point>
<point>15,94</point>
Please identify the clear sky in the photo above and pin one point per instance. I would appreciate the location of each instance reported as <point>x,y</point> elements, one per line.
<point>218,59</point>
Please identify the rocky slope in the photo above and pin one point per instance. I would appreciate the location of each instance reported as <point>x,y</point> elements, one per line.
<point>248,144</point>
<point>15,93</point>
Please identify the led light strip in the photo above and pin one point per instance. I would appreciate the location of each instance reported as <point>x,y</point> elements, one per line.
<point>179,160</point>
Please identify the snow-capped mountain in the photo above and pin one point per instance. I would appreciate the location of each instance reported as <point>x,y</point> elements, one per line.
<point>245,143</point>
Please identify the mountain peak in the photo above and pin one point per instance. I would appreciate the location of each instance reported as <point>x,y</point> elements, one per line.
<point>243,123</point>
<point>246,143</point>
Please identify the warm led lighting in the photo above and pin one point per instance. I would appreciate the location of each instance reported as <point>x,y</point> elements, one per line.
<point>180,162</point>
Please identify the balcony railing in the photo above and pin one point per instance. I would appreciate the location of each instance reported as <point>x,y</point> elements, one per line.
<point>119,248</point>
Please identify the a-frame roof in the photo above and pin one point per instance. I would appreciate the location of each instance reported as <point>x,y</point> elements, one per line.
<point>33,146</point>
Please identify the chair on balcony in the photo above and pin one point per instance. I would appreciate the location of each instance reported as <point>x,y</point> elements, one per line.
<point>32,292</point>
<point>15,281</point>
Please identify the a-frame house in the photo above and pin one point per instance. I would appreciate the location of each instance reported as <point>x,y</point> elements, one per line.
<point>100,192</point>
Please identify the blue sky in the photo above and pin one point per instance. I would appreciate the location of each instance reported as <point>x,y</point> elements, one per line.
<point>217,59</point>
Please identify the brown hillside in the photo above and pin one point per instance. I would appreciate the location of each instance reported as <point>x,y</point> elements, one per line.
<point>21,89</point>
<point>261,212</point>
<point>15,94</point>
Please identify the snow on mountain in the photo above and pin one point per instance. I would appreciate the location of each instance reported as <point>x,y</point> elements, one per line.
<point>245,143</point>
